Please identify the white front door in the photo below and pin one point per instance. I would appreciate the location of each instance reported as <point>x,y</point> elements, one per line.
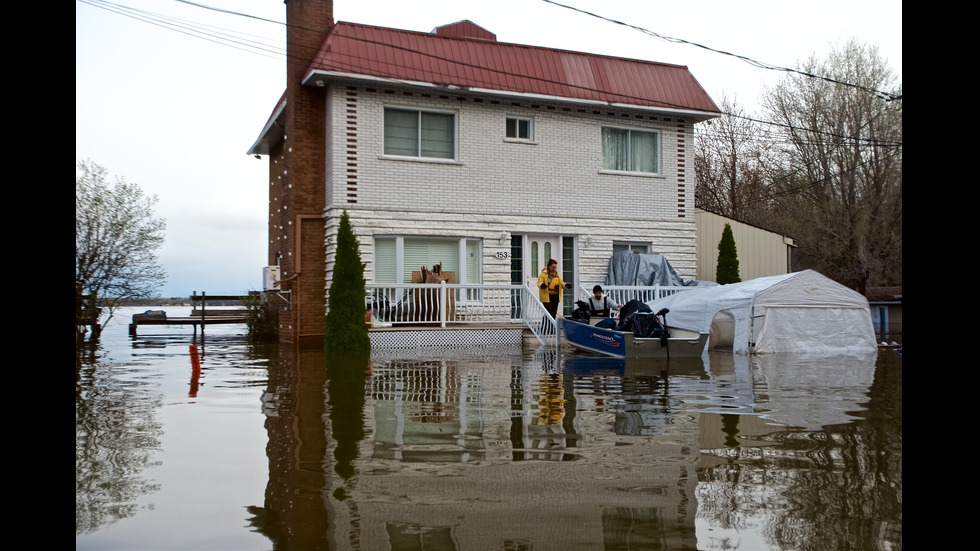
<point>537,250</point>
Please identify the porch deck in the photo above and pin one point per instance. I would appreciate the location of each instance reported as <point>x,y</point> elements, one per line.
<point>453,335</point>
<point>448,315</point>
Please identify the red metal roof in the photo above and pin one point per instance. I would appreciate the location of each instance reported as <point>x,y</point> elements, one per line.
<point>452,57</point>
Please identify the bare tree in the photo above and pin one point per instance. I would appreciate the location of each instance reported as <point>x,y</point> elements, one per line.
<point>116,239</point>
<point>731,155</point>
<point>840,180</point>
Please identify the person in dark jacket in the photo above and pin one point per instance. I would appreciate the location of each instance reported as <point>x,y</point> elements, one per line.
<point>600,305</point>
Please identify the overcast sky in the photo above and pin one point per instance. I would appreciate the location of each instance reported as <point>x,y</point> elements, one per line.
<point>170,94</point>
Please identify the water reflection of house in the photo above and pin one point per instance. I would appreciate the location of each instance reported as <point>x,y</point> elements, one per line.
<point>695,468</point>
<point>458,459</point>
<point>422,413</point>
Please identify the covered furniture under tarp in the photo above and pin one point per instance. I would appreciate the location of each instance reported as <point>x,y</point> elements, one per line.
<point>427,302</point>
<point>798,312</point>
<point>645,270</point>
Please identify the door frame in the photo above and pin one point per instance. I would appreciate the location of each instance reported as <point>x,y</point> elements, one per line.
<point>538,241</point>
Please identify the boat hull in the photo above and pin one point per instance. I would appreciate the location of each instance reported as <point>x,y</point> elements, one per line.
<point>623,344</point>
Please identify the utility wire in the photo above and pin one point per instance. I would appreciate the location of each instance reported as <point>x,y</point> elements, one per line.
<point>883,95</point>
<point>208,33</point>
<point>229,38</point>
<point>562,83</point>
<point>203,32</point>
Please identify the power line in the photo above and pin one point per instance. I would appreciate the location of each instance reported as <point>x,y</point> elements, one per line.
<point>562,83</point>
<point>194,29</point>
<point>883,95</point>
<point>239,41</point>
<point>230,38</point>
<point>230,12</point>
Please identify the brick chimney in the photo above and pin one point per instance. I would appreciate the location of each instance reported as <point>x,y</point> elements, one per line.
<point>465,29</point>
<point>308,22</point>
<point>298,194</point>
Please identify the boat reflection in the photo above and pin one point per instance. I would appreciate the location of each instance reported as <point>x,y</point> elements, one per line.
<point>639,390</point>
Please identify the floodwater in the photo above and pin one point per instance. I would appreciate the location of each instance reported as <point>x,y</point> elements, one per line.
<point>270,447</point>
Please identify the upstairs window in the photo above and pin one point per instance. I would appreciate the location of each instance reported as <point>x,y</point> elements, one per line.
<point>627,150</point>
<point>418,133</point>
<point>519,128</point>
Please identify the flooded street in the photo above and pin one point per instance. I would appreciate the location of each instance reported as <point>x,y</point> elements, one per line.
<point>269,447</point>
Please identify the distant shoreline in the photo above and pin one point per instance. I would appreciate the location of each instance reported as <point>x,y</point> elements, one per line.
<point>177,301</point>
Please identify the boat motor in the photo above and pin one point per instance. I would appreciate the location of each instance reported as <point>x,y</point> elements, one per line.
<point>666,334</point>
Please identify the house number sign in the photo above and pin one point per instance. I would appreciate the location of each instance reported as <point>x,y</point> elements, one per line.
<point>502,254</point>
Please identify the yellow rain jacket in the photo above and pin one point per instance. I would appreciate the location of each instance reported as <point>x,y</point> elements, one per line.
<point>556,286</point>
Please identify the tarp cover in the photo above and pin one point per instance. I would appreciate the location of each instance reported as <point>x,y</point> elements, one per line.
<point>645,270</point>
<point>798,312</point>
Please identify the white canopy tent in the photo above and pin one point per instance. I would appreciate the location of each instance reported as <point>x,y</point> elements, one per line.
<point>798,312</point>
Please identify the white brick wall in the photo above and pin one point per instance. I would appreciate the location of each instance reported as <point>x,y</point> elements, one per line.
<point>552,186</point>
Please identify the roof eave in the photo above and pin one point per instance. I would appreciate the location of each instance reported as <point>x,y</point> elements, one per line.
<point>319,77</point>
<point>272,133</point>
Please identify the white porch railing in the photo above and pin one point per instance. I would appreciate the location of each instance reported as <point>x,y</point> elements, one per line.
<point>455,303</point>
<point>439,304</point>
<point>537,319</point>
<point>621,294</point>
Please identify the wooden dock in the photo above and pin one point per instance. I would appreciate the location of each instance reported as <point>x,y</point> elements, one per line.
<point>200,315</point>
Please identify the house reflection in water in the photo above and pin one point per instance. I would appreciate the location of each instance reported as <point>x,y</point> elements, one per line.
<point>425,412</point>
<point>509,451</point>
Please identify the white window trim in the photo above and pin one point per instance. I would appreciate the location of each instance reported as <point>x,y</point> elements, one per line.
<point>517,139</point>
<point>631,244</point>
<point>420,110</point>
<point>633,174</point>
<point>430,160</point>
<point>461,259</point>
<point>660,156</point>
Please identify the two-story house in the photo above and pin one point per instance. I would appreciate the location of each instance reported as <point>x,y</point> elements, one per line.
<point>490,158</point>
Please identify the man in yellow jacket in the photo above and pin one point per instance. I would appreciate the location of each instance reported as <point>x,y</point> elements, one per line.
<point>551,285</point>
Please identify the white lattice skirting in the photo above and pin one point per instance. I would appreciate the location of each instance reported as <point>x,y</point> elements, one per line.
<point>446,338</point>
